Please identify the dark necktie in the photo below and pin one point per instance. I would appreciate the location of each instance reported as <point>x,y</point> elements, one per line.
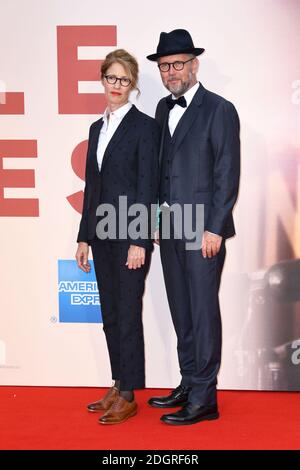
<point>180,101</point>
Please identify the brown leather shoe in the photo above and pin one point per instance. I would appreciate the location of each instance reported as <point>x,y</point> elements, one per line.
<point>105,402</point>
<point>119,412</point>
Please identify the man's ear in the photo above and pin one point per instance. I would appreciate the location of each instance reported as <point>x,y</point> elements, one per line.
<point>196,64</point>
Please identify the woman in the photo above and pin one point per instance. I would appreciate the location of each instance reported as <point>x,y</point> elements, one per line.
<point>122,160</point>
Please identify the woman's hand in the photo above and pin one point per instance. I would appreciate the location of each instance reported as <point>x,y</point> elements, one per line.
<point>136,257</point>
<point>81,256</point>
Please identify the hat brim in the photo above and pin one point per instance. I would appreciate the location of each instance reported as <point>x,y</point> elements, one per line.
<point>196,51</point>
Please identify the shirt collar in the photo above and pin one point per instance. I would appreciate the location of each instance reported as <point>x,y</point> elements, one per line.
<point>118,113</point>
<point>189,95</point>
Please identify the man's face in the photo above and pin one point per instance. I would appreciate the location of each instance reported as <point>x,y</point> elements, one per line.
<point>179,81</point>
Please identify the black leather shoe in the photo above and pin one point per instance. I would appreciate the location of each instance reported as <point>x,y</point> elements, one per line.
<point>191,414</point>
<point>178,397</point>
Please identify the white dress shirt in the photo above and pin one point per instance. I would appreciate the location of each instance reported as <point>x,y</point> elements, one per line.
<point>111,121</point>
<point>177,112</point>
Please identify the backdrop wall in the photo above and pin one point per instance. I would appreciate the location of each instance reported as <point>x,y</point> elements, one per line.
<point>50,53</point>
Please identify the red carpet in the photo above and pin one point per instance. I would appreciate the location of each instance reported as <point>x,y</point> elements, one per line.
<point>55,418</point>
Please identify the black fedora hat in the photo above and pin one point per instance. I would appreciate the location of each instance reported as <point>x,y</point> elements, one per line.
<point>178,41</point>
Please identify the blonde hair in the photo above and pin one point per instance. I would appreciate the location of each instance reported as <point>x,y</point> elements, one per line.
<point>125,59</point>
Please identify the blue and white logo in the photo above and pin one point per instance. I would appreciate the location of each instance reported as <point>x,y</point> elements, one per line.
<point>79,300</point>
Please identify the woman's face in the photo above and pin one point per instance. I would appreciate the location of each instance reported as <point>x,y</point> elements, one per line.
<point>116,94</point>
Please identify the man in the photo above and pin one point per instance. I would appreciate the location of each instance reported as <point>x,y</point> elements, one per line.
<point>199,164</point>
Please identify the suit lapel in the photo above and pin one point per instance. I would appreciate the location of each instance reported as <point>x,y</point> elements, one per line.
<point>94,145</point>
<point>163,136</point>
<point>187,119</point>
<point>123,127</point>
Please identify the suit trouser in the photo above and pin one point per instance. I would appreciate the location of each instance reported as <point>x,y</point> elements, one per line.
<point>121,292</point>
<point>192,285</point>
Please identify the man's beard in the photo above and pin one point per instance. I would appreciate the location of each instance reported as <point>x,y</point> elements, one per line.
<point>179,88</point>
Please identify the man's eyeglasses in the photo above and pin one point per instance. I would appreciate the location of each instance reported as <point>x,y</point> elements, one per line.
<point>178,65</point>
<point>112,79</point>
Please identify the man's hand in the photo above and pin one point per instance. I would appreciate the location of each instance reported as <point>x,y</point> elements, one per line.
<point>81,256</point>
<point>211,244</point>
<point>136,257</point>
